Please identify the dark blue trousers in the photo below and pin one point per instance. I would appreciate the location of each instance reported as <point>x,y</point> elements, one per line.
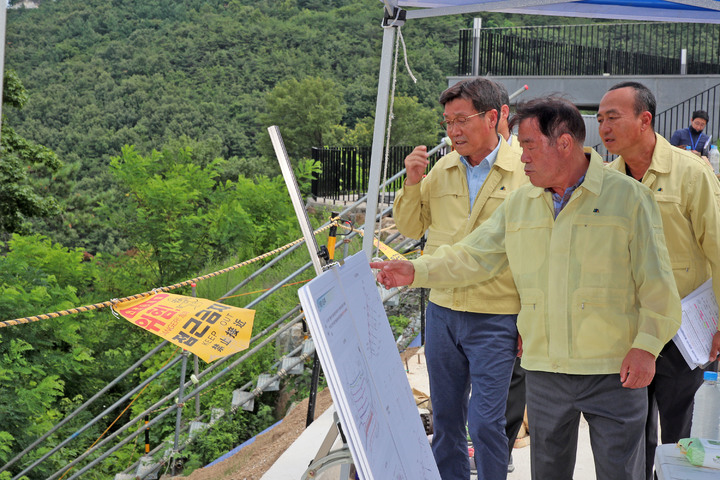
<point>465,350</point>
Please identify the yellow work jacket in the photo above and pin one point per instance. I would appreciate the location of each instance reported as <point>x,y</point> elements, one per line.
<point>515,144</point>
<point>593,283</point>
<point>688,193</point>
<point>440,204</point>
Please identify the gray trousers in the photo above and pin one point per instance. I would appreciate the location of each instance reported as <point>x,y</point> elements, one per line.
<point>616,417</point>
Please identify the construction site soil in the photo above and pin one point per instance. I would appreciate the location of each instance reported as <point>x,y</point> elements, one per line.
<point>254,460</point>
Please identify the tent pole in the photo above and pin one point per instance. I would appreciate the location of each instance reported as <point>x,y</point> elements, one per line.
<point>376,156</point>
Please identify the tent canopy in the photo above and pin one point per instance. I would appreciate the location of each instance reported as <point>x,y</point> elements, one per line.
<point>699,11</point>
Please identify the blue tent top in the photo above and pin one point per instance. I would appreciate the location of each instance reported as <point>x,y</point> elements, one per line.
<point>697,11</point>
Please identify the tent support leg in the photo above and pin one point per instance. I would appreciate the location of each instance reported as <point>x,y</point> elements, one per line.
<point>376,156</point>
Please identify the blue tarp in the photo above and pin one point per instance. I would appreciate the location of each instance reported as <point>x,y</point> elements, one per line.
<point>241,446</point>
<point>697,11</point>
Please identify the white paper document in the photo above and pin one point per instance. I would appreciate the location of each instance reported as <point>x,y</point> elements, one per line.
<point>365,374</point>
<point>699,324</point>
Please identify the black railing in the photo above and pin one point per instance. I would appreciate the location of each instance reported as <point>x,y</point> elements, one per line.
<point>595,49</point>
<point>677,117</point>
<point>345,171</point>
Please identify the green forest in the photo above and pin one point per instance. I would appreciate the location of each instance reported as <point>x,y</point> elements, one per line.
<point>135,154</point>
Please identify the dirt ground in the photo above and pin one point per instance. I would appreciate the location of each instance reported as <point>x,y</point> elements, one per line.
<point>253,461</point>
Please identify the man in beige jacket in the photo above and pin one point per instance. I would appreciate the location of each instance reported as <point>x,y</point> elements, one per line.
<point>688,195</point>
<point>471,336</point>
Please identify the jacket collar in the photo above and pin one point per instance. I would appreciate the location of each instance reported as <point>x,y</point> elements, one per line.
<point>661,160</point>
<point>592,183</point>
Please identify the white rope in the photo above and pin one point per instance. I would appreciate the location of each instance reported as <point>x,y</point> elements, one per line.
<point>407,65</point>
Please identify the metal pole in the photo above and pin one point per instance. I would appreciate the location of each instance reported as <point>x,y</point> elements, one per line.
<point>381,110</point>
<point>332,238</point>
<point>477,25</point>
<point>147,435</point>
<point>294,192</point>
<point>196,364</point>
<point>178,416</point>
<point>683,61</point>
<point>196,371</point>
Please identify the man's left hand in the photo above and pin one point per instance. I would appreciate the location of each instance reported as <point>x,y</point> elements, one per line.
<point>715,347</point>
<point>638,369</point>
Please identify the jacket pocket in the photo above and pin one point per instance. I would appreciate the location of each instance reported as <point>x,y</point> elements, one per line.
<point>450,211</point>
<point>527,243</point>
<point>607,237</point>
<point>603,324</point>
<point>532,322</point>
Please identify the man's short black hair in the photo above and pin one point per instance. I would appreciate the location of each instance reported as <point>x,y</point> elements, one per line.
<point>504,96</point>
<point>644,98</point>
<point>701,114</point>
<point>483,94</point>
<point>555,115</point>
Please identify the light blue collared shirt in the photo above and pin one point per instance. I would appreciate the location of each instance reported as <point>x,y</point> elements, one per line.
<point>476,175</point>
<point>560,201</point>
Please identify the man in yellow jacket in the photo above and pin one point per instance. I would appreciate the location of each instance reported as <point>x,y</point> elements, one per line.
<point>471,336</point>
<point>688,194</point>
<point>598,299</point>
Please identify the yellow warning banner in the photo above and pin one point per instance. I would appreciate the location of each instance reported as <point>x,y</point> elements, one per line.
<point>387,251</point>
<point>384,248</point>
<point>208,329</point>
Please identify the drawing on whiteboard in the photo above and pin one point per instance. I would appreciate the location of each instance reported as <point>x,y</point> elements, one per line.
<point>361,395</point>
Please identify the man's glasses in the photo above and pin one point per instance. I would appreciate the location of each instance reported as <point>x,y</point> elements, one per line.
<point>460,120</point>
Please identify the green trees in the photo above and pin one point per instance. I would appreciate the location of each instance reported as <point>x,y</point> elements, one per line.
<point>106,75</point>
<point>412,124</point>
<point>177,212</point>
<point>307,112</point>
<point>180,215</point>
<point>44,362</point>
<point>20,197</point>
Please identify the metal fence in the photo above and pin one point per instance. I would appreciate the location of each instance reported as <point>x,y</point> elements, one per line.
<point>345,171</point>
<point>652,48</point>
<point>678,116</point>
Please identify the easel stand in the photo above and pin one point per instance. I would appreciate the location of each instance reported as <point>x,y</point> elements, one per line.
<point>336,464</point>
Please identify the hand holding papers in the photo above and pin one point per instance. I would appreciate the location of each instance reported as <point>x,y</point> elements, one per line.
<point>699,324</point>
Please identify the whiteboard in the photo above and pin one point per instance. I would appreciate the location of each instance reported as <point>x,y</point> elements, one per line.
<point>367,380</point>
